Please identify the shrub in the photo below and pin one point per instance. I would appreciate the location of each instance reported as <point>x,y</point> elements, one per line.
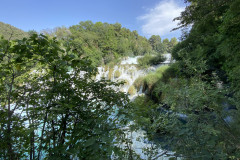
<point>162,69</point>
<point>155,60</point>
<point>151,79</point>
<point>125,81</point>
<point>148,60</point>
<point>143,62</point>
<point>144,109</point>
<point>170,72</point>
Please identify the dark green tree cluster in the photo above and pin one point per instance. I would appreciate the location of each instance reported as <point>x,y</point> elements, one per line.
<point>160,46</point>
<point>51,108</point>
<point>10,32</point>
<point>149,60</point>
<point>198,97</point>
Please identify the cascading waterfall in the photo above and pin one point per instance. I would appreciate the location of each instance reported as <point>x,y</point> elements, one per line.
<point>128,72</point>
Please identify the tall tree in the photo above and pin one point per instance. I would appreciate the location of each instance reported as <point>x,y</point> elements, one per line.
<point>52,108</point>
<point>199,109</point>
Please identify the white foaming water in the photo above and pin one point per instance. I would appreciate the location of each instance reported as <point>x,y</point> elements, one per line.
<point>130,60</point>
<point>128,72</point>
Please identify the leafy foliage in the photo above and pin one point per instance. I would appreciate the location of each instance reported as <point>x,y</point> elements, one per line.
<point>148,81</point>
<point>198,96</point>
<point>105,43</point>
<point>148,60</point>
<point>51,108</point>
<point>10,32</point>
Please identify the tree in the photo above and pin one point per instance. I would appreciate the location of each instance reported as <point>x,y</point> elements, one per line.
<point>198,96</point>
<point>166,44</point>
<point>105,43</point>
<point>52,108</point>
<point>173,42</point>
<point>156,44</point>
<point>154,40</point>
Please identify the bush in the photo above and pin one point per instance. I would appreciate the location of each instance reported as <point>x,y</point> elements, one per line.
<point>143,62</point>
<point>125,81</point>
<point>151,79</point>
<point>170,72</point>
<point>143,111</point>
<point>148,60</point>
<point>155,60</point>
<point>162,69</point>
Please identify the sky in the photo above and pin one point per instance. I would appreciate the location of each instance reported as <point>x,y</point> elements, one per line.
<point>148,17</point>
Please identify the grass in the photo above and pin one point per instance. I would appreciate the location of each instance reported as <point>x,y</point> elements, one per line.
<point>110,73</point>
<point>148,60</point>
<point>117,74</point>
<point>132,90</point>
<point>105,68</point>
<point>149,80</point>
<point>162,69</point>
<point>138,83</point>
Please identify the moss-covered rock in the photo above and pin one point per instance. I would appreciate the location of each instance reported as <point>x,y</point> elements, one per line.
<point>110,73</point>
<point>105,68</point>
<point>138,83</point>
<point>149,80</point>
<point>117,74</point>
<point>132,90</point>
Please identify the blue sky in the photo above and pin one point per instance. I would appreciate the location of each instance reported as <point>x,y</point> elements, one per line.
<point>148,17</point>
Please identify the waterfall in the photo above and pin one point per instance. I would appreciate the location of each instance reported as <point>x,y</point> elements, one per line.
<point>128,72</point>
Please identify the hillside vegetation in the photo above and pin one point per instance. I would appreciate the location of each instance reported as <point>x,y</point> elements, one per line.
<point>10,32</point>
<point>102,43</point>
<point>106,43</point>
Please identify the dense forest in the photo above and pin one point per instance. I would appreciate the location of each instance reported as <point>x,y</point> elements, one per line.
<point>194,106</point>
<point>106,43</point>
<point>52,108</point>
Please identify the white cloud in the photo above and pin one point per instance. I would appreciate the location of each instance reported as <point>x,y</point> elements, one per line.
<point>159,20</point>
